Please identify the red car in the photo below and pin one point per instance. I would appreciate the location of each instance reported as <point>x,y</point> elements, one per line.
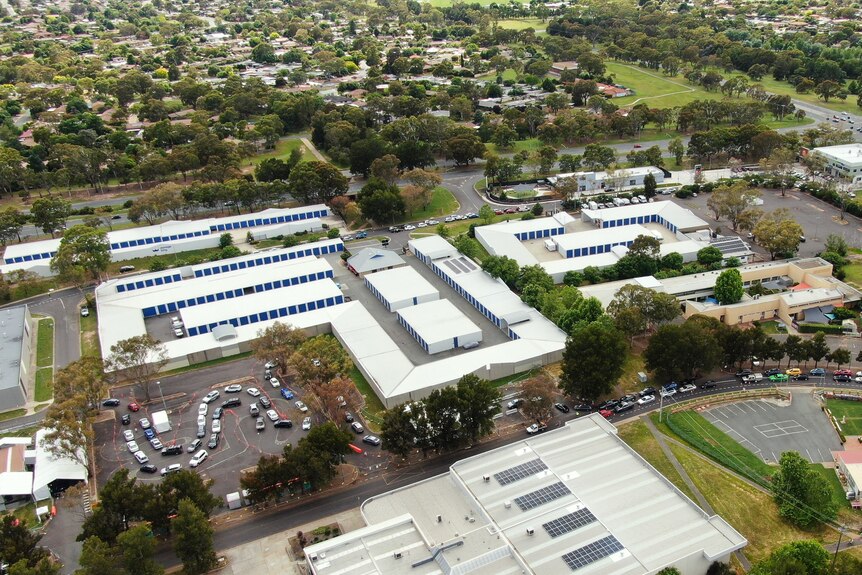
<point>636,146</point>
<point>843,372</point>
<point>499,212</point>
<point>606,413</point>
<point>511,211</point>
<point>134,406</point>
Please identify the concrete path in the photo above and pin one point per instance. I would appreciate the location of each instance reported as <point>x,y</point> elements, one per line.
<point>701,500</point>
<point>307,143</point>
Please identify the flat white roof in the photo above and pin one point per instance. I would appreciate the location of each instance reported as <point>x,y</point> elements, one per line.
<point>600,237</point>
<point>49,468</point>
<point>16,483</point>
<point>850,154</point>
<point>371,259</point>
<point>433,246</point>
<point>682,218</point>
<point>438,320</point>
<point>401,283</point>
<point>547,498</point>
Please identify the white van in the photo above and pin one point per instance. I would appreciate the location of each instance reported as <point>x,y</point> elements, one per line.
<point>593,205</point>
<point>199,458</point>
<point>551,245</point>
<point>617,201</point>
<point>753,378</point>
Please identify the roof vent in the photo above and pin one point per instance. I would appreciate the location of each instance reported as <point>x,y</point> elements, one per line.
<point>439,519</point>
<point>397,555</point>
<point>530,531</point>
<point>507,504</point>
<point>487,478</point>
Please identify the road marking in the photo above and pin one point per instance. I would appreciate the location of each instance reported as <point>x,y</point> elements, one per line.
<point>819,209</point>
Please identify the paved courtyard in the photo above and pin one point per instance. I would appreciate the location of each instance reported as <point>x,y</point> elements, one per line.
<point>769,428</point>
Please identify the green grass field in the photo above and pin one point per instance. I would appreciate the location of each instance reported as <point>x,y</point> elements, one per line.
<point>784,89</point>
<point>524,23</point>
<point>445,3</point>
<point>44,384</point>
<point>848,414</point>
<point>442,203</point>
<point>529,145</point>
<point>374,408</point>
<point>45,343</point>
<point>637,435</point>
<point>853,273</point>
<point>89,336</point>
<point>282,150</point>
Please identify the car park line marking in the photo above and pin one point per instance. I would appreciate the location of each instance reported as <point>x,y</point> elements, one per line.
<point>780,428</point>
<point>819,209</point>
<point>811,459</point>
<point>756,450</point>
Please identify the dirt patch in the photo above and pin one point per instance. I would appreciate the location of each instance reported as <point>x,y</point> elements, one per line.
<point>303,539</point>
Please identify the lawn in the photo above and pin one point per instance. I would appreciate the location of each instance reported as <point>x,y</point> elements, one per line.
<point>529,145</point>
<point>442,203</point>
<point>172,260</point>
<point>839,498</point>
<point>628,381</point>
<point>282,151</point>
<point>12,414</point>
<point>44,383</point>
<point>374,408</point>
<point>784,89</point>
<point>853,274</point>
<point>848,414</point>
<point>523,23</point>
<point>23,432</point>
<point>45,343</point>
<point>637,435</point>
<point>658,90</point>
<point>89,336</point>
<point>445,3</point>
<point>752,512</point>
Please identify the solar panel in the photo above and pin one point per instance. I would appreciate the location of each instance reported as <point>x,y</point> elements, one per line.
<point>519,472</point>
<point>591,553</point>
<point>542,496</point>
<point>570,522</point>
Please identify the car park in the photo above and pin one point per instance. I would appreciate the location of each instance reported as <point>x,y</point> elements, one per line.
<point>112,402</point>
<point>646,399</point>
<point>211,396</point>
<point>306,424</point>
<point>218,412</point>
<point>264,402</point>
<point>687,388</point>
<point>156,443</point>
<point>214,439</point>
<point>128,435</point>
<point>232,402</point>
<point>126,419</point>
<point>253,410</point>
<point>203,409</point>
<point>172,468</point>
<point>233,388</point>
<point>259,424</point>
<point>357,427</point>
<point>286,393</point>
<point>144,423</point>
<point>562,407</point>
<point>149,433</point>
<point>132,446</point>
<point>371,440</point>
<point>149,468</point>
<point>198,458</point>
<point>253,391</point>
<point>194,445</point>
<point>172,449</point>
<point>272,415</point>
<point>273,381</point>
<point>216,426</point>
<point>141,457</point>
<point>301,406</point>
<point>283,423</point>
<point>134,406</point>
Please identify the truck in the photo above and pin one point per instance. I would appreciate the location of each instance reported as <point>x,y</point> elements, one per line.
<point>160,421</point>
<point>593,205</point>
<point>753,378</point>
<point>551,245</point>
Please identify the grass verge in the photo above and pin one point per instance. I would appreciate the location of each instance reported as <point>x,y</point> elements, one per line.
<point>373,410</point>
<point>170,260</point>
<point>637,435</point>
<point>752,512</point>
<point>45,343</point>
<point>845,514</point>
<point>12,414</point>
<point>848,414</point>
<point>515,378</point>
<point>853,273</point>
<point>282,151</point>
<point>89,337</point>
<point>442,203</point>
<point>44,384</point>
<point>712,442</point>
<point>209,363</point>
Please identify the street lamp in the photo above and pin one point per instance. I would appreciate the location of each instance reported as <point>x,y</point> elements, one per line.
<point>162,393</point>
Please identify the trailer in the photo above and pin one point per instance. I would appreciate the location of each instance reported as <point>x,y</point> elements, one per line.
<point>161,423</point>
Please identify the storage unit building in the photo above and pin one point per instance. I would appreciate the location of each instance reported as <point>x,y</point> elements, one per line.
<point>400,287</point>
<point>439,326</point>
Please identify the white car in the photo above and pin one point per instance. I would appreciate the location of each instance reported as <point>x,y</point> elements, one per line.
<point>141,457</point>
<point>202,420</point>
<point>306,424</point>
<point>301,406</point>
<point>646,399</point>
<point>156,443</point>
<point>216,428</point>
<point>198,458</point>
<point>253,391</point>
<point>172,468</point>
<point>274,382</point>
<point>270,364</point>
<point>687,387</point>
<point>419,225</point>
<point>235,388</point>
<point>432,222</point>
<point>178,332</point>
<point>272,414</point>
<point>128,435</point>
<point>211,396</point>
<point>133,447</point>
<point>203,409</point>
<point>667,392</point>
<point>409,227</point>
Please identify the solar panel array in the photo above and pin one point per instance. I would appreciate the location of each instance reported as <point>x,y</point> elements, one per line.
<point>519,472</point>
<point>542,496</point>
<point>593,552</point>
<point>570,522</point>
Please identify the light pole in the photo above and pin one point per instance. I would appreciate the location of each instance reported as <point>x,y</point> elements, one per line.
<point>162,393</point>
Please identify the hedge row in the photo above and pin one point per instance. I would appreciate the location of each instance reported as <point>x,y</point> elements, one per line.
<point>832,197</point>
<point>713,442</point>
<point>825,328</point>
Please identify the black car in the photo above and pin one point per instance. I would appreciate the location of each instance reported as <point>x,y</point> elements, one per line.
<point>647,391</point>
<point>112,402</point>
<point>149,468</point>
<point>773,371</point>
<point>628,398</point>
<point>609,404</point>
<point>396,229</point>
<point>348,417</point>
<point>232,402</point>
<point>743,372</point>
<point>562,407</point>
<point>213,443</point>
<point>173,450</point>
<point>708,384</point>
<point>583,407</point>
<point>801,377</point>
<point>843,378</point>
<point>264,401</point>
<point>126,419</point>
<point>283,423</point>
<point>371,440</point>
<point>218,412</point>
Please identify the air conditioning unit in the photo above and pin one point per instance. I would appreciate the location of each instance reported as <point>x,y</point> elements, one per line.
<point>530,531</point>
<point>487,478</point>
<point>439,519</point>
<point>507,504</point>
<point>397,555</point>
<point>313,558</point>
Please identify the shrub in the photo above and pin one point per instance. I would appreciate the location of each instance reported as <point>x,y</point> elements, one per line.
<point>815,327</point>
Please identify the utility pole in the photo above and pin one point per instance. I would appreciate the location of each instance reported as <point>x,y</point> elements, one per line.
<point>837,547</point>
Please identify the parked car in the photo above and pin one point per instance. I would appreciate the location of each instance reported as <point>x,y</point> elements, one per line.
<point>128,435</point>
<point>141,457</point>
<point>134,406</point>
<point>232,402</point>
<point>112,402</point>
<point>85,311</point>
<point>776,377</point>
<point>562,407</point>
<point>687,388</point>
<point>665,392</point>
<point>283,423</point>
<point>708,384</point>
<point>817,371</point>
<point>584,407</point>
<point>214,439</point>
<point>646,399</point>
<point>515,403</point>
<point>132,446</point>
<point>202,431</point>
<point>273,381</point>
<point>149,433</point>
<point>149,468</point>
<point>286,393</point>
<point>259,424</point>
<point>233,388</point>
<point>743,372</point>
<point>301,406</point>
<point>218,412</point>
<point>801,377</point>
<point>771,372</point>
<point>536,428</point>
<point>194,445</point>
<point>647,391</point>
<point>216,426</point>
<point>348,417</point>
<point>306,424</point>
<point>253,410</point>
<point>371,440</point>
<point>172,468</point>
<point>156,443</point>
<point>606,413</point>
<point>357,427</point>
<point>144,423</point>
<point>626,406</point>
<point>198,458</point>
<point>173,449</point>
<point>211,396</point>
<point>841,378</point>
<point>203,409</point>
<point>272,415</point>
<point>126,419</point>
<point>264,402</point>
<point>361,235</point>
<point>793,371</point>
<point>253,391</point>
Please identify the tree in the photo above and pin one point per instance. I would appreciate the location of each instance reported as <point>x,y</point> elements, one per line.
<point>795,558</point>
<point>277,343</point>
<point>479,403</point>
<point>380,201</point>
<point>121,501</point>
<point>98,558</point>
<point>11,222</point>
<point>593,360</point>
<point>193,539</point>
<point>139,359</point>
<point>272,169</point>
<point>803,495</point>
<point>82,380</point>
<point>779,165</point>
<point>319,360</point>
<point>728,287</point>
<point>669,571</point>
<point>11,169</point>
<point>598,157</point>
<point>265,482</point>
<point>46,566</point>
<point>398,431</point>
<point>839,356</point>
<point>463,148</point>
<point>50,213</point>
<point>83,250</point>
<point>18,543</point>
<point>677,148</point>
<point>817,348</point>
<point>137,548</point>
<point>69,434</point>
<point>538,393</point>
<point>425,181</point>
<point>731,200</point>
<point>778,233</point>
<point>682,351</point>
<point>486,214</point>
<point>316,182</point>
<point>649,186</point>
<point>386,168</point>
<point>504,268</point>
<point>827,89</point>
